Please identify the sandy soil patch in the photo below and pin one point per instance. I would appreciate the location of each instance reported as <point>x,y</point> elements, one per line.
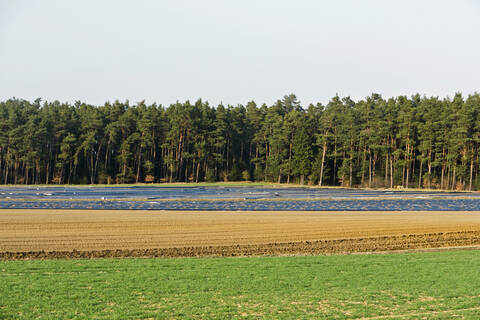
<point>240,233</point>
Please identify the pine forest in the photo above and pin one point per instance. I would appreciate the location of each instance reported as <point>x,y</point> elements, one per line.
<point>401,142</point>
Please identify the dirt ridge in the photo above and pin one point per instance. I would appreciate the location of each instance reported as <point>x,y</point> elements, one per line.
<point>317,247</point>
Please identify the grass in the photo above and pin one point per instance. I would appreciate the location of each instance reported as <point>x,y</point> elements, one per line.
<point>172,184</point>
<point>193,184</point>
<point>434,285</point>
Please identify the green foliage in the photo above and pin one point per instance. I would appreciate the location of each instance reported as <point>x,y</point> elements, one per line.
<point>410,142</point>
<point>210,176</point>
<point>245,175</point>
<point>104,178</point>
<point>258,174</point>
<point>148,167</point>
<point>437,285</point>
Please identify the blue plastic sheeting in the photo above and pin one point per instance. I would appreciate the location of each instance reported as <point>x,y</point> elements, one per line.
<point>234,198</point>
<point>254,205</point>
<point>219,193</point>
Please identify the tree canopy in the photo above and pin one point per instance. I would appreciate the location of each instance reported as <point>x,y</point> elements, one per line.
<point>417,141</point>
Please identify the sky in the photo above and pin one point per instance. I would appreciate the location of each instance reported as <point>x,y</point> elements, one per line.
<point>233,52</point>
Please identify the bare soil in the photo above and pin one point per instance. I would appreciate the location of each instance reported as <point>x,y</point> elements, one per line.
<point>42,234</point>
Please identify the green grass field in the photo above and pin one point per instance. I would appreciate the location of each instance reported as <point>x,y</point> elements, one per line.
<point>434,285</point>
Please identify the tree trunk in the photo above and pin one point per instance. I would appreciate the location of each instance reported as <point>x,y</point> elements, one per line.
<point>7,166</point>
<point>106,154</point>
<point>61,175</point>
<point>447,186</point>
<point>408,167</point>
<point>420,174</point>
<point>198,171</point>
<point>69,172</point>
<point>289,163</point>
<point>37,171</point>
<point>443,174</point>
<point>429,169</point>
<point>323,161</point>
<point>454,177</point>
<point>15,172</point>
<point>471,175</point>
<point>47,169</point>
<point>138,166</point>
<point>362,181</point>
<point>334,163</point>
<point>351,168</point>
<point>391,172</point>
<point>266,161</point>
<point>369,169</point>
<point>386,169</point>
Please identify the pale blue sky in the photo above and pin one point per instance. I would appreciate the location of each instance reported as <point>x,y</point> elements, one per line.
<point>236,51</point>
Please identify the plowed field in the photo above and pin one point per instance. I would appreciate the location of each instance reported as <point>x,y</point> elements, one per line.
<point>39,233</point>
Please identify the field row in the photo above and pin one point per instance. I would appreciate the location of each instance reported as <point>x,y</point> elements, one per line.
<point>58,233</point>
<point>462,204</point>
<point>320,247</point>
<point>219,191</point>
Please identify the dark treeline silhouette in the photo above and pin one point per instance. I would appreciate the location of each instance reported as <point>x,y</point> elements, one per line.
<point>410,142</point>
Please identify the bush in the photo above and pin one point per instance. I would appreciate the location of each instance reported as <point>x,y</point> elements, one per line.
<point>103,178</point>
<point>56,179</point>
<point>245,175</point>
<point>258,174</point>
<point>210,176</point>
<point>224,176</point>
<point>149,178</point>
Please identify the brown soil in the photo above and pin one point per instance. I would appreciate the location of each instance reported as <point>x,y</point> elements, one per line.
<point>30,234</point>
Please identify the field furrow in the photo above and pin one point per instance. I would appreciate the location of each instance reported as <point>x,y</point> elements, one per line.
<point>103,233</point>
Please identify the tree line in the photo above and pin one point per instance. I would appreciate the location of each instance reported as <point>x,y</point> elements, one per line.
<point>417,141</point>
